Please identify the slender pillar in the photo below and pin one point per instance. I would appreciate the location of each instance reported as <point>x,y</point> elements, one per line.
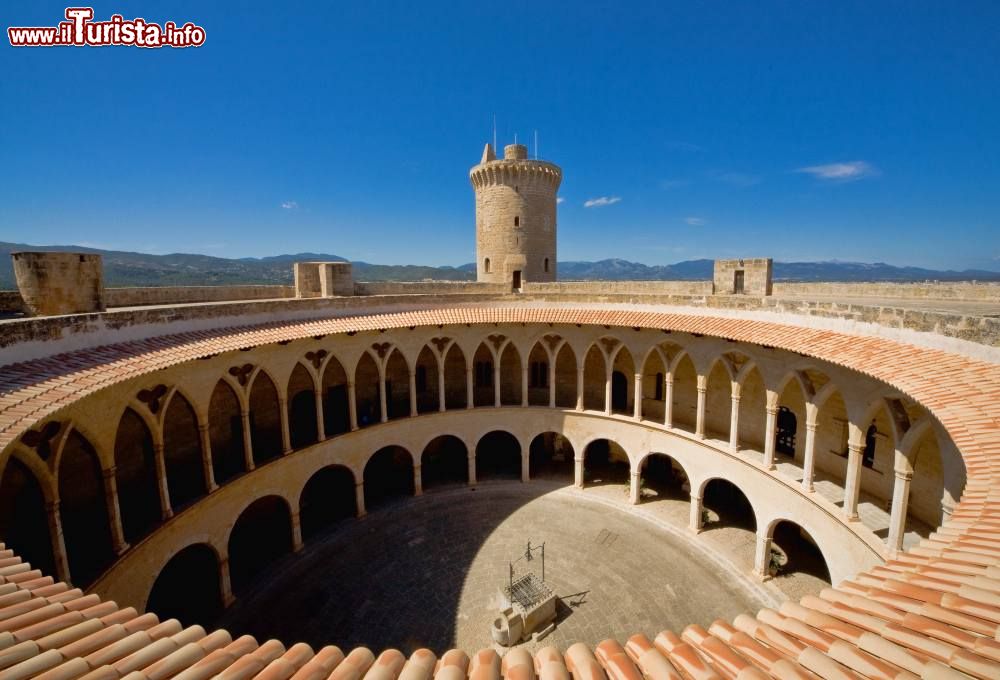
<point>352,405</point>
<point>668,400</point>
<point>206,457</point>
<point>734,419</point>
<point>413,394</point>
<point>441,393</point>
<point>694,520</point>
<point>699,421</point>
<point>166,512</point>
<point>852,488</point>
<point>225,586</point>
<point>418,481</point>
<point>118,543</point>
<point>320,421</point>
<point>359,499</point>
<point>637,397</point>
<point>247,440</point>
<point>578,472</point>
<point>762,556</point>
<point>809,455</point>
<point>525,467</point>
<point>286,437</point>
<point>897,518</point>
<point>296,531</point>
<point>607,394</point>
<point>769,435</point>
<point>496,385</point>
<point>472,467</point>
<point>947,509</point>
<point>634,490</point>
<point>382,399</point>
<point>552,384</point>
<point>470,393</point>
<point>579,388</point>
<point>524,385</point>
<point>58,542</point>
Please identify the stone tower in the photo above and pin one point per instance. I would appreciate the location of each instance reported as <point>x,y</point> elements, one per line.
<point>515,217</point>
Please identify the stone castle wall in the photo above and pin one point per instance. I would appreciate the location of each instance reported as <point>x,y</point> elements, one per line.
<point>756,276</point>
<point>958,290</point>
<point>59,283</point>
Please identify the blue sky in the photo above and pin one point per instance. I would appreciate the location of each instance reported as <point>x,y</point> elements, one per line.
<point>862,131</point>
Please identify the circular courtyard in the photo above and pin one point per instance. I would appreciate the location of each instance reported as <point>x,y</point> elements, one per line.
<point>428,572</point>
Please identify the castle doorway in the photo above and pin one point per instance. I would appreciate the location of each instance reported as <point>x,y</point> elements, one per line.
<point>517,281</point>
<point>619,392</point>
<point>738,282</point>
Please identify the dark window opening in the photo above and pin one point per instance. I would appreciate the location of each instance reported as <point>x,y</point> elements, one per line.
<point>517,221</point>
<point>658,387</point>
<point>787,427</point>
<point>546,264</point>
<point>421,378</point>
<point>738,282</point>
<point>484,374</point>
<point>539,374</point>
<point>486,265</point>
<point>868,459</point>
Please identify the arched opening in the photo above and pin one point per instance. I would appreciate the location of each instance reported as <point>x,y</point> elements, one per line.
<point>510,376</point>
<point>793,551</point>
<point>426,379</point>
<point>653,387</point>
<point>550,456</point>
<point>594,379</point>
<point>336,404</point>
<point>455,392</point>
<point>367,387</point>
<point>83,511</point>
<point>182,453</point>
<point>538,376</point>
<point>622,382</point>
<point>265,419</point>
<point>397,386</point>
<point>546,264</point>
<point>486,265</point>
<point>605,463</point>
<point>482,382</point>
<point>135,477</point>
<point>187,588</point>
<point>261,535</point>
<point>789,439</point>
<point>753,411</point>
<point>388,476</point>
<point>444,462</point>
<point>24,525</point>
<point>718,402</point>
<point>327,498</point>
<point>927,489</point>
<point>685,412</point>
<point>566,377</point>
<point>225,430</point>
<point>302,426</point>
<point>831,445</point>
<point>498,456</point>
<point>662,478</point>
<point>727,507</point>
<point>878,458</point>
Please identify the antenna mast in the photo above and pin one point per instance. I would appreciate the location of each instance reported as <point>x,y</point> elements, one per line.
<point>494,133</point>
<point>536,145</point>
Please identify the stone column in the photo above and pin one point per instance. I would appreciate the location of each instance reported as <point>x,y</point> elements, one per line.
<point>634,490</point>
<point>286,436</point>
<point>637,397</point>
<point>947,509</point>
<point>58,542</point>
<point>225,587</point>
<point>359,499</point>
<point>470,391</point>
<point>694,520</point>
<point>607,393</point>
<point>320,421</point>
<point>352,405</point>
<point>668,400</point>
<point>206,457</point>
<point>418,481</point>
<point>762,556</point>
<point>382,399</point>
<point>247,440</point>
<point>578,472</point>
<point>441,393</point>
<point>118,543</point>
<point>524,385</point>
<point>552,385</point>
<point>525,467</point>
<point>852,484</point>
<point>413,394</point>
<point>699,422</point>
<point>166,512</point>
<point>769,435</point>
<point>296,531</point>
<point>472,467</point>
<point>496,385</point>
<point>809,455</point>
<point>579,388</point>
<point>897,518</point>
<point>734,419</point>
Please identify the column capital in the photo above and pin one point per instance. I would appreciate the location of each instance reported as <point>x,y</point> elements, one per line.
<point>903,475</point>
<point>811,426</point>
<point>856,449</point>
<point>735,398</point>
<point>109,473</point>
<point>771,410</point>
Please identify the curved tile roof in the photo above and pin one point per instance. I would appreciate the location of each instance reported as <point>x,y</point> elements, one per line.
<point>933,612</point>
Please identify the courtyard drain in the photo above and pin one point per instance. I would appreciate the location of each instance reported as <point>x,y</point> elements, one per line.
<point>606,538</point>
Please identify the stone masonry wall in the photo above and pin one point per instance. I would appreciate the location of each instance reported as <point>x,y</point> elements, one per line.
<point>756,276</point>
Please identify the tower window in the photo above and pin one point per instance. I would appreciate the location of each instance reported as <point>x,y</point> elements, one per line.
<point>517,221</point>
<point>486,265</point>
<point>546,264</point>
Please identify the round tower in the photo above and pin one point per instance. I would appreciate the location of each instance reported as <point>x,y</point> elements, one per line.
<point>515,217</point>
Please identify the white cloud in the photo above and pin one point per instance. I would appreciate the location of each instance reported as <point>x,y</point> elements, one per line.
<point>696,221</point>
<point>289,205</point>
<point>560,200</point>
<point>841,172</point>
<point>603,200</point>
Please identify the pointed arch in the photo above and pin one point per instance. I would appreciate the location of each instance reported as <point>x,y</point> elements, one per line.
<point>24,525</point>
<point>654,371</point>
<point>336,404</point>
<point>83,510</point>
<point>622,381</point>
<point>455,392</point>
<point>397,385</point>
<point>302,426</point>
<point>367,390</point>
<point>482,380</point>
<point>426,379</point>
<point>718,401</point>
<point>182,453</point>
<point>135,476</point>
<point>510,376</point>
<point>791,423</point>
<point>685,393</point>
<point>265,419</point>
<point>538,375</point>
<point>753,410</point>
<point>594,379</point>
<point>566,377</point>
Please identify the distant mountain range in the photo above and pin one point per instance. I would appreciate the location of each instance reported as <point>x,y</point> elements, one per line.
<point>141,269</point>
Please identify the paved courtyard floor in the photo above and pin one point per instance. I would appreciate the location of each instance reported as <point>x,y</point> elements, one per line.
<point>426,572</point>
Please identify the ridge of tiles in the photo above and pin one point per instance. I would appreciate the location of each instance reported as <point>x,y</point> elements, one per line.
<point>931,612</point>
